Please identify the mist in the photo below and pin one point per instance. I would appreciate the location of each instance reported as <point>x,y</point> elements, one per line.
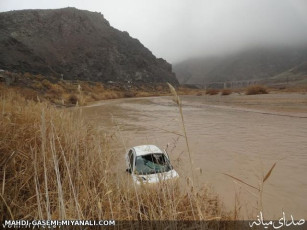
<point>180,29</point>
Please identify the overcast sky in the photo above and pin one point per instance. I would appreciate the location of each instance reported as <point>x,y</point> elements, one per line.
<point>179,29</point>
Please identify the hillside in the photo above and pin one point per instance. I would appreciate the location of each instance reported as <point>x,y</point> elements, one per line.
<point>260,63</point>
<point>78,45</point>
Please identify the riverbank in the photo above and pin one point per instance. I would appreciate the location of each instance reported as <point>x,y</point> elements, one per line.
<point>276,102</point>
<point>69,93</point>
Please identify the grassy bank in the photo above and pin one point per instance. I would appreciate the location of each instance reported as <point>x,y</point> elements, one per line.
<point>68,92</point>
<point>56,166</point>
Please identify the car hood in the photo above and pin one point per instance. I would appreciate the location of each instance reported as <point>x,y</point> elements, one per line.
<point>154,178</point>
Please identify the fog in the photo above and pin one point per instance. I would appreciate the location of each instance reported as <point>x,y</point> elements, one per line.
<point>178,29</point>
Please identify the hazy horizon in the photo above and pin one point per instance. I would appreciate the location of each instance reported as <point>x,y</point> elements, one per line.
<point>178,29</point>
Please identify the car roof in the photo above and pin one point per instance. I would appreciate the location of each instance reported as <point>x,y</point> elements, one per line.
<point>146,149</point>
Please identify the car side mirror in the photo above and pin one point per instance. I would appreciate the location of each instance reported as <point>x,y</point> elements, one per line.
<point>128,171</point>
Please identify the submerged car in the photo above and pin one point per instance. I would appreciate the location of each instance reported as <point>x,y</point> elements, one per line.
<point>149,164</point>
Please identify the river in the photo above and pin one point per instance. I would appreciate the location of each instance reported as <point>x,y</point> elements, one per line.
<point>242,136</point>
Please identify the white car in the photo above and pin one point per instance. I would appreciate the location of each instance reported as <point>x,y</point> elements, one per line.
<point>149,164</point>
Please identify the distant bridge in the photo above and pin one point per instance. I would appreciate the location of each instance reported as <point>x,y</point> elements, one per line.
<point>228,84</point>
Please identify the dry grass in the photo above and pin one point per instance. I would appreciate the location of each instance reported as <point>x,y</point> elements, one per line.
<point>47,84</point>
<point>190,91</point>
<point>256,89</point>
<point>225,92</point>
<point>60,91</point>
<point>212,91</point>
<point>258,189</point>
<point>73,99</point>
<point>177,100</point>
<point>54,165</point>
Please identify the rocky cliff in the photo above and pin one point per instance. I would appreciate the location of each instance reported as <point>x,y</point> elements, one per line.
<point>76,44</point>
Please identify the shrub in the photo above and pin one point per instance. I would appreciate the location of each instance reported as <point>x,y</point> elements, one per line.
<point>226,92</point>
<point>212,91</point>
<point>95,96</point>
<point>73,99</point>
<point>56,89</point>
<point>37,85</point>
<point>256,89</point>
<point>86,87</point>
<point>112,95</point>
<point>47,84</point>
<point>144,94</point>
<point>129,94</point>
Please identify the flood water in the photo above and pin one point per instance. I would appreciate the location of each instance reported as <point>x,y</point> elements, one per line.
<point>244,143</point>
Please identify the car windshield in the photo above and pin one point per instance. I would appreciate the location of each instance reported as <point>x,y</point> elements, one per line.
<point>152,163</point>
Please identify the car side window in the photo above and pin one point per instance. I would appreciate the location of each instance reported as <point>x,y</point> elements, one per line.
<point>131,159</point>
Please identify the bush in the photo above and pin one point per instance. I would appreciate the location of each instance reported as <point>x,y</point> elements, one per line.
<point>144,94</point>
<point>129,94</point>
<point>256,89</point>
<point>47,84</point>
<point>86,87</point>
<point>226,92</point>
<point>212,91</point>
<point>73,99</point>
<point>95,96</point>
<point>37,85</point>
<point>56,89</point>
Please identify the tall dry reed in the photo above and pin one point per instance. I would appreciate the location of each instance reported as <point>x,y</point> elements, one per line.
<point>259,189</point>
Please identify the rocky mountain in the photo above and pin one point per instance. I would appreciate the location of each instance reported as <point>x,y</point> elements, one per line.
<point>76,44</point>
<point>251,64</point>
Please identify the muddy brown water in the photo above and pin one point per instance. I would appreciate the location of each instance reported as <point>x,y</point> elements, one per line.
<point>240,135</point>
